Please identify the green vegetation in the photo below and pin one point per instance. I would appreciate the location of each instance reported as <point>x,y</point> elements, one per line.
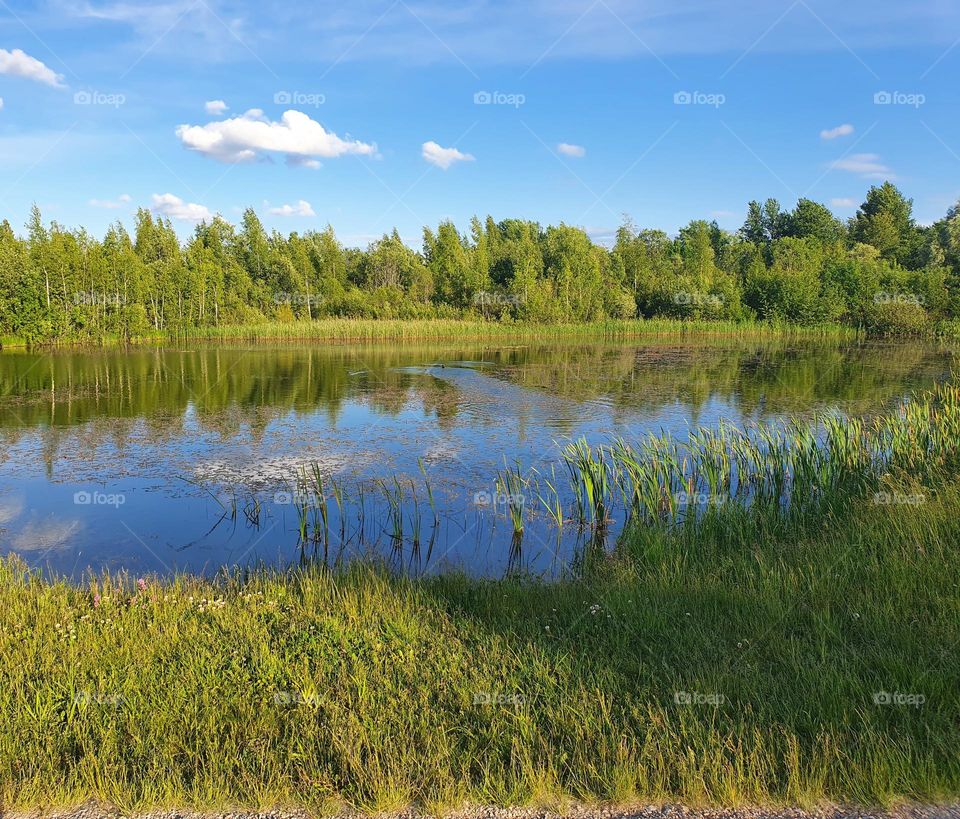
<point>881,272</point>
<point>758,652</point>
<point>345,329</point>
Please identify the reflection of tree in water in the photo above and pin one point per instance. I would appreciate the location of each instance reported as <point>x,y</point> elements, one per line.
<point>755,377</point>
<point>146,393</point>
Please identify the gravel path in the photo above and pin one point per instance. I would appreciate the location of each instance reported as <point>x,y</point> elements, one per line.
<point>647,812</point>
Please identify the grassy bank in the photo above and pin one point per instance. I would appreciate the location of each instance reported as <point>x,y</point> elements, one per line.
<point>753,655</point>
<point>345,329</point>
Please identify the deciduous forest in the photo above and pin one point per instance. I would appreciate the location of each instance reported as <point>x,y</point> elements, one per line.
<point>880,270</point>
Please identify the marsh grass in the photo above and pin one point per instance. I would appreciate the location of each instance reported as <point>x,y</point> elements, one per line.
<point>346,329</point>
<point>788,470</point>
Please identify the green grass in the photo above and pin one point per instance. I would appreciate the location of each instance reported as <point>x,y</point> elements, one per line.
<point>346,329</point>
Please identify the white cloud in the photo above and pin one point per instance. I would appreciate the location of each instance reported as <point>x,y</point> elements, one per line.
<point>443,157</point>
<point>841,130</point>
<point>843,202</point>
<point>253,136</point>
<point>111,204</point>
<point>567,149</point>
<point>1,103</point>
<point>16,63</point>
<point>215,108</point>
<point>302,208</point>
<point>174,207</point>
<point>869,166</point>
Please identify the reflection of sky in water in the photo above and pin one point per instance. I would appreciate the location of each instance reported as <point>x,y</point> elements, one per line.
<point>189,439</point>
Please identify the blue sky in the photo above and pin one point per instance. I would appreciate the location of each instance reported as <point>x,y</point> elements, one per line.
<point>366,115</point>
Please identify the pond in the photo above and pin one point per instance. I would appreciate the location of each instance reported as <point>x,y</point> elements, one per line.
<point>199,457</point>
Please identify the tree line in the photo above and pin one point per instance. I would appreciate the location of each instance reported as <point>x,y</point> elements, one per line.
<point>880,270</point>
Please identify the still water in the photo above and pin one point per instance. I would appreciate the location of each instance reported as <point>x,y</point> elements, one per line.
<point>158,461</point>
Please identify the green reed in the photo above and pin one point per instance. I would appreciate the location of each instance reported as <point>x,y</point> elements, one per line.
<point>512,485</point>
<point>793,466</point>
<point>591,473</point>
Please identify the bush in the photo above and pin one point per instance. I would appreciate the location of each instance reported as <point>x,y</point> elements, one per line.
<point>896,318</point>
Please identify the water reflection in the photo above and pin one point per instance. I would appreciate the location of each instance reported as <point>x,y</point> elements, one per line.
<point>192,438</point>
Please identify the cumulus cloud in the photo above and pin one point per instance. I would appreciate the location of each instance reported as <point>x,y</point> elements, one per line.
<point>254,136</point>
<point>843,202</point>
<point>17,63</point>
<point>166,204</point>
<point>443,157</point>
<point>568,149</point>
<point>841,130</point>
<point>868,166</point>
<point>302,208</point>
<point>215,108</point>
<point>111,204</point>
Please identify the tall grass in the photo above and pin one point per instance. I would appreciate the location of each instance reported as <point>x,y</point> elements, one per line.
<point>785,471</point>
<point>345,329</point>
<point>789,468</point>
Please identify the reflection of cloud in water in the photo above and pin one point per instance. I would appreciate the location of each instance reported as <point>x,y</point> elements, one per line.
<point>54,534</point>
<point>10,508</point>
<point>496,401</point>
<point>262,474</point>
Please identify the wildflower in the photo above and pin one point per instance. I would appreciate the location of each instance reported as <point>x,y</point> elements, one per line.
<point>96,600</point>
<point>141,584</point>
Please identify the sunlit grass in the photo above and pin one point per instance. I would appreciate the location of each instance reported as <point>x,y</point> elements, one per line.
<point>440,329</point>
